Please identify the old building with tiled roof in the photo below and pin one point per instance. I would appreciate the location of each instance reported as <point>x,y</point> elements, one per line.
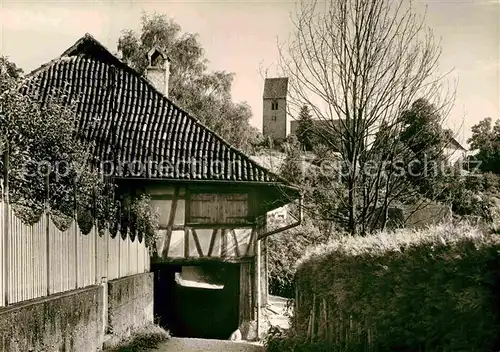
<point>211,198</point>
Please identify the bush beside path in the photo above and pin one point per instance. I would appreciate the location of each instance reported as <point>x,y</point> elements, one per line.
<point>436,289</point>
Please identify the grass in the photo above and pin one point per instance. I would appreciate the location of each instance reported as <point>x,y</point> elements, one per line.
<point>146,337</point>
<point>382,243</point>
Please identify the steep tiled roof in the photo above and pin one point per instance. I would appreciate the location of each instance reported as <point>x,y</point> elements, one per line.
<point>275,88</point>
<point>130,123</point>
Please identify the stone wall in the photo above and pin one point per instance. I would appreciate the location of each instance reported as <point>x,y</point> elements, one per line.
<point>73,321</point>
<point>130,302</point>
<point>70,321</point>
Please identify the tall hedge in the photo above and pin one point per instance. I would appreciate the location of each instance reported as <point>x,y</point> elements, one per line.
<point>432,290</point>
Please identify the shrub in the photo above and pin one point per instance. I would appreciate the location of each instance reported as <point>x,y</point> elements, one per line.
<point>284,250</point>
<point>281,340</point>
<point>144,338</point>
<point>429,290</point>
<point>474,196</point>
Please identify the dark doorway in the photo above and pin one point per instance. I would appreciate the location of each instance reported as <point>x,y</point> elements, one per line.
<point>197,312</point>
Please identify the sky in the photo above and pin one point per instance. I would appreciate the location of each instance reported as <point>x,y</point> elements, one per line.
<point>241,36</point>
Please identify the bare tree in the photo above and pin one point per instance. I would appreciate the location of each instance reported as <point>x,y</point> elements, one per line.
<point>358,65</point>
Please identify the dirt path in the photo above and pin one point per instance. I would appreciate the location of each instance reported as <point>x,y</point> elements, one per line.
<point>276,312</point>
<point>200,345</point>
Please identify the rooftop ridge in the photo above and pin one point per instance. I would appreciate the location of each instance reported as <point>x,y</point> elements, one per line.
<point>87,39</point>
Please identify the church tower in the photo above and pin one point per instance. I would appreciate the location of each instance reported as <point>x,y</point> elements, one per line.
<point>274,109</point>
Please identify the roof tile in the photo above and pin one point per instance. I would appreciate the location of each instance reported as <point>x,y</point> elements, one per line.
<point>275,88</point>
<point>121,112</point>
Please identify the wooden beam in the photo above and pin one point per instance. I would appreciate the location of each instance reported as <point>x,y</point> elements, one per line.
<point>219,225</point>
<point>166,244</point>
<point>235,239</point>
<point>250,242</point>
<point>174,227</point>
<point>165,197</point>
<point>223,241</point>
<point>203,260</point>
<point>212,243</point>
<point>187,197</point>
<point>281,229</point>
<point>295,224</point>
<point>246,293</point>
<point>197,242</point>
<point>170,224</point>
<point>186,243</point>
<point>173,208</point>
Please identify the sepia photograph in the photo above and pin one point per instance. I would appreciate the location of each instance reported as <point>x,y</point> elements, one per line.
<point>250,175</point>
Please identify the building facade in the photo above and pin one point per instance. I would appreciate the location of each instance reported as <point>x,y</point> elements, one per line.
<point>212,201</point>
<point>274,108</point>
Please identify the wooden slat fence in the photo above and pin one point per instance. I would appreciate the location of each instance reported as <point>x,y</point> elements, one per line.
<point>40,260</point>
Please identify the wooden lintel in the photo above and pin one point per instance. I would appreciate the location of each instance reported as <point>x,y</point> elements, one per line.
<point>220,226</point>
<point>201,260</point>
<point>165,197</point>
<point>173,227</point>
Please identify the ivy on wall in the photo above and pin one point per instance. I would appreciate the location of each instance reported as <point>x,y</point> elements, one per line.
<point>49,169</point>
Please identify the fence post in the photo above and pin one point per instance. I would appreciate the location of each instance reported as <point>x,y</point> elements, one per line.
<point>96,235</point>
<point>6,233</point>
<point>77,229</point>
<point>96,253</point>
<point>108,236</point>
<point>258,286</point>
<point>47,229</point>
<point>119,238</point>
<point>104,284</point>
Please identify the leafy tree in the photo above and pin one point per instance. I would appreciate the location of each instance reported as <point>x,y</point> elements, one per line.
<point>9,70</point>
<point>49,167</point>
<point>261,144</point>
<point>361,63</point>
<point>305,128</point>
<point>291,169</point>
<point>485,140</point>
<point>425,139</point>
<point>413,166</point>
<point>324,194</point>
<point>207,95</point>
